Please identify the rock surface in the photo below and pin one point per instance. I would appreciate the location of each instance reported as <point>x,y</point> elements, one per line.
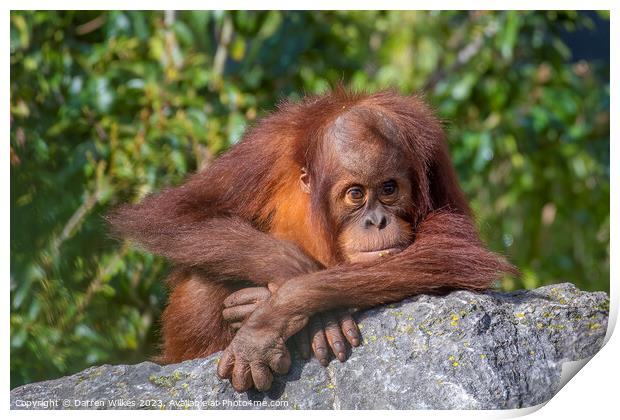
<point>459,351</point>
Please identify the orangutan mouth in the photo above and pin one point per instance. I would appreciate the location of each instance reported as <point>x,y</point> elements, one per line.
<point>364,256</point>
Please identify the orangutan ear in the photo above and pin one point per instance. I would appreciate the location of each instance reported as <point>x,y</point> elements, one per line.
<point>304,181</point>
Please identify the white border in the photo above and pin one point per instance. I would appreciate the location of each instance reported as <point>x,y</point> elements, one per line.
<point>592,394</point>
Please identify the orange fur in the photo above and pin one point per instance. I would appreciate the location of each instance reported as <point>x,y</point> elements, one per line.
<point>192,316</point>
<point>291,221</point>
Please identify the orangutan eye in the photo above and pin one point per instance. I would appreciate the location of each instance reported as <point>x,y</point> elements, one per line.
<point>389,188</point>
<point>355,194</point>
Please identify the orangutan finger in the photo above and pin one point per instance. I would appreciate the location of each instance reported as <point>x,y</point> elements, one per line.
<point>238,313</point>
<point>262,376</point>
<point>241,376</point>
<point>280,362</point>
<point>319,341</point>
<point>247,295</point>
<point>350,330</point>
<point>226,364</point>
<point>334,336</point>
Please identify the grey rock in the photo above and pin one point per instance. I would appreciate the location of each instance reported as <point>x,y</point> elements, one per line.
<point>460,351</point>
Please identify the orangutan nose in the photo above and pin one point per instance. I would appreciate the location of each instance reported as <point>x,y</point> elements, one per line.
<point>375,218</point>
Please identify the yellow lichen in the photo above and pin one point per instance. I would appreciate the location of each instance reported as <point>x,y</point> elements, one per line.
<point>407,329</point>
<point>167,381</point>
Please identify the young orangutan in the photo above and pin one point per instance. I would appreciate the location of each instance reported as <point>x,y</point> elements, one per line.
<point>339,201</point>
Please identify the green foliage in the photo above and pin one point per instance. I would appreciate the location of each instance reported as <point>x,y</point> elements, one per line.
<point>107,107</point>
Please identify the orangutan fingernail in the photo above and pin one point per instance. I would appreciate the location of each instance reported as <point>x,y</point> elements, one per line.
<point>342,357</point>
<point>355,340</point>
<point>324,362</point>
<point>338,346</point>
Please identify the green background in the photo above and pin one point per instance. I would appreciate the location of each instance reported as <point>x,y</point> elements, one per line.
<point>109,106</point>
